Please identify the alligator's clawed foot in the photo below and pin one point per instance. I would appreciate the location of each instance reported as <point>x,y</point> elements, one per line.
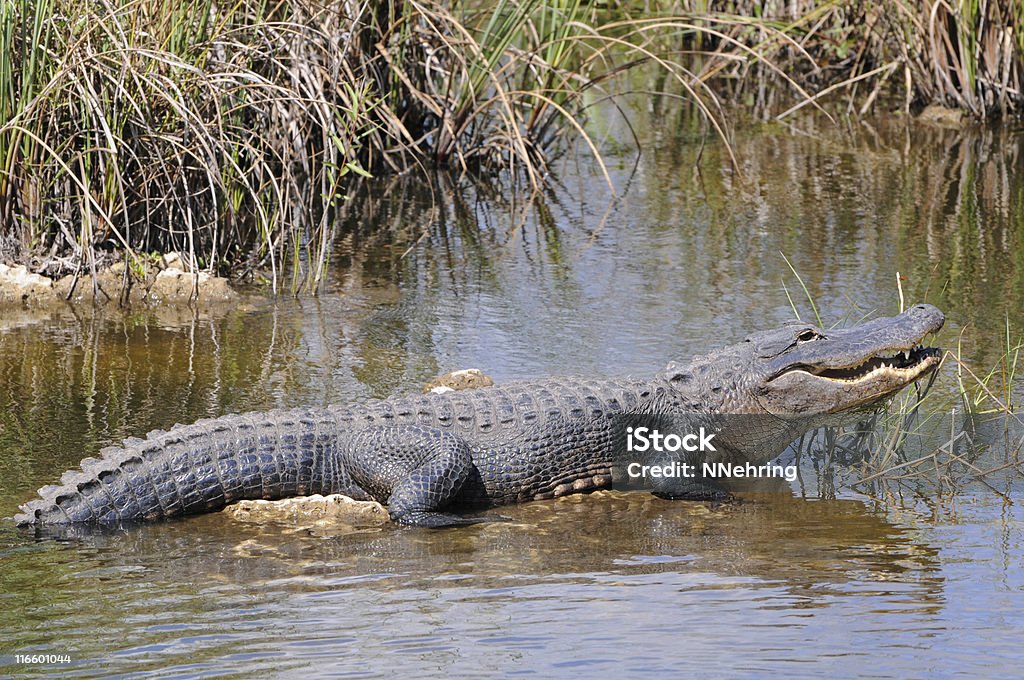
<point>439,520</point>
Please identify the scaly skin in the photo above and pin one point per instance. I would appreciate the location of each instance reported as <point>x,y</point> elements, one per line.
<point>490,446</point>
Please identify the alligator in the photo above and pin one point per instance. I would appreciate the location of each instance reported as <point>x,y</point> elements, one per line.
<point>429,457</point>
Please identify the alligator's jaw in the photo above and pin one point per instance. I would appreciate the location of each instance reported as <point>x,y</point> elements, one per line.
<point>799,393</point>
<point>903,368</point>
<point>839,370</point>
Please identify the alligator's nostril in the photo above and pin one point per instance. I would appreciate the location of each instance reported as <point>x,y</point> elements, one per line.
<point>928,313</point>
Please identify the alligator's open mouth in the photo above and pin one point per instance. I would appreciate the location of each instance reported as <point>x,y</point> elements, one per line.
<point>905,366</point>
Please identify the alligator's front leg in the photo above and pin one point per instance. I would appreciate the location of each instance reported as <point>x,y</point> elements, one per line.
<point>415,470</point>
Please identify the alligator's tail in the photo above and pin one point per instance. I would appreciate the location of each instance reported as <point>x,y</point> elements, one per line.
<point>194,468</point>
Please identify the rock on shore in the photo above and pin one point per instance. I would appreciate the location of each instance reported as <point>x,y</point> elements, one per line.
<point>163,282</point>
<point>316,509</point>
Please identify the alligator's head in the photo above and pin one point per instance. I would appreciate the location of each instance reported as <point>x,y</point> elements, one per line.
<point>804,371</point>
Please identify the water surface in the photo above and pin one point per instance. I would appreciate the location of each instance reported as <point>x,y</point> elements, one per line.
<point>427,278</point>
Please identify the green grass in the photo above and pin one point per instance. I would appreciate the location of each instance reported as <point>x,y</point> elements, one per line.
<point>231,133</point>
<point>964,54</point>
<point>170,125</point>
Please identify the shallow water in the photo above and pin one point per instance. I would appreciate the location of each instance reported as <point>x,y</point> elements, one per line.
<point>804,581</point>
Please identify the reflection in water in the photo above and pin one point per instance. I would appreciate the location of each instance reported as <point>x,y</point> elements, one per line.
<point>201,588</point>
<point>692,256</point>
<point>427,279</point>
<point>852,207</point>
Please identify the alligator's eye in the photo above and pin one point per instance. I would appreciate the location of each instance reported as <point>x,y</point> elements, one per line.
<point>807,336</point>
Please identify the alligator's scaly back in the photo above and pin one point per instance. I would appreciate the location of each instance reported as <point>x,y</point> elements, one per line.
<point>371,451</point>
<point>494,445</point>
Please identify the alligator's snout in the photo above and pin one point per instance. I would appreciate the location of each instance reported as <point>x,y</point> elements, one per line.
<point>928,316</point>
<point>835,370</point>
<point>927,311</point>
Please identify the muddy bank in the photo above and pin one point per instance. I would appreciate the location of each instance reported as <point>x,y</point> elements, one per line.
<point>465,379</point>
<point>161,281</point>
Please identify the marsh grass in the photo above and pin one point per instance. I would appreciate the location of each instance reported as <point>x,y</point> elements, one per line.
<point>229,133</point>
<point>232,132</point>
<point>171,125</point>
<point>965,54</point>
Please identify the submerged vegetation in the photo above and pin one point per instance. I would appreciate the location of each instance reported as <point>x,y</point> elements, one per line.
<point>230,132</point>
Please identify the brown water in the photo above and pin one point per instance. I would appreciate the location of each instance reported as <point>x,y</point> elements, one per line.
<point>563,283</point>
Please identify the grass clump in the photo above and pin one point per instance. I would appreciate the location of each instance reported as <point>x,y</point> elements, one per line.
<point>170,125</point>
<point>964,54</point>
<point>228,132</point>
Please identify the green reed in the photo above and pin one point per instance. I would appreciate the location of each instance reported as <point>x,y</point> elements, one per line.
<point>230,133</point>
